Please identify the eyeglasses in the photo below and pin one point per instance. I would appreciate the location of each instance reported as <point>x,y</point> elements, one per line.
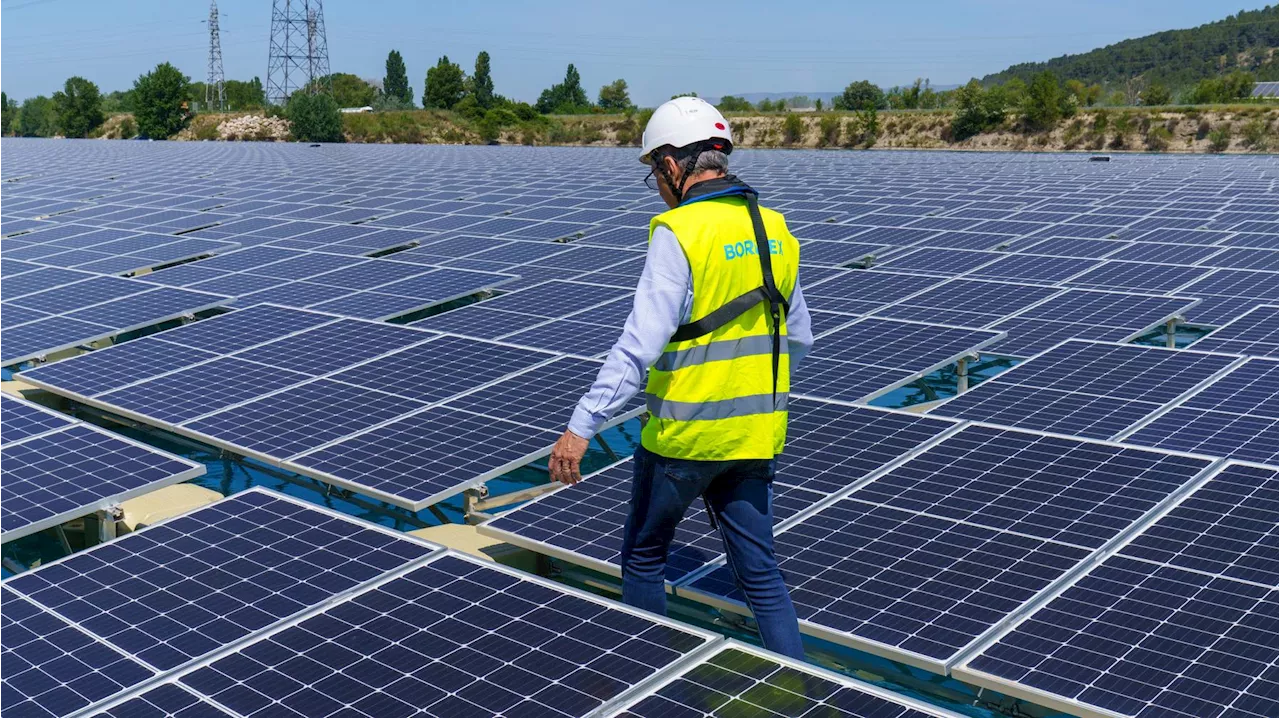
<point>651,179</point>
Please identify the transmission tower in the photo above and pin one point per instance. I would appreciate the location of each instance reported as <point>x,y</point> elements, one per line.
<point>214,86</point>
<point>299,55</point>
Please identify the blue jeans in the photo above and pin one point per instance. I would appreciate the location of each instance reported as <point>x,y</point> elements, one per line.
<point>740,497</point>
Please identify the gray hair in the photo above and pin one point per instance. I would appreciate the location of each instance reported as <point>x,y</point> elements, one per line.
<point>713,160</point>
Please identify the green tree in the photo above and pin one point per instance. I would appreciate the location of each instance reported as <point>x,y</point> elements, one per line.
<point>1042,107</point>
<point>1238,84</point>
<point>117,101</point>
<point>37,118</point>
<point>829,131</point>
<point>1092,94</point>
<point>685,94</point>
<point>314,118</point>
<point>1156,94</point>
<point>244,95</point>
<point>446,85</point>
<point>767,105</point>
<point>565,98</point>
<point>732,103</point>
<point>817,105</point>
<point>864,128</point>
<point>349,90</point>
<point>79,107</point>
<point>395,84</point>
<point>977,110</point>
<point>614,96</point>
<point>8,108</point>
<point>482,82</point>
<point>858,94</point>
<point>159,99</point>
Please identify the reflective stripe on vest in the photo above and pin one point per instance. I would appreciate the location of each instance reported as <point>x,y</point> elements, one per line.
<point>711,410</point>
<point>711,397</point>
<point>716,351</point>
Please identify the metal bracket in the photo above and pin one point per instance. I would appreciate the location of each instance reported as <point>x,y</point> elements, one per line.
<point>107,520</point>
<point>962,372</point>
<point>472,497</point>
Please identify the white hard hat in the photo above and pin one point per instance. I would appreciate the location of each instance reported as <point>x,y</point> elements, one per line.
<point>684,121</point>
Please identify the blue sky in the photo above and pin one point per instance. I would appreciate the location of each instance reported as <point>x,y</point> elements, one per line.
<point>661,48</point>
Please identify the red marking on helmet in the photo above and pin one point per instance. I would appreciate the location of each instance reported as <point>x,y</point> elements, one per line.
<point>717,147</point>
<point>719,125</point>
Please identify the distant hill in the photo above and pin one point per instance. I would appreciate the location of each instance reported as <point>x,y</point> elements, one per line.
<point>755,97</point>
<point>1176,58</point>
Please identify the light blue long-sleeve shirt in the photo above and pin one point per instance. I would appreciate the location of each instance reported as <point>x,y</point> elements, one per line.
<point>664,300</point>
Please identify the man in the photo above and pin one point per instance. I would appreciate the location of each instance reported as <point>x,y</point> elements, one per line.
<point>718,322</point>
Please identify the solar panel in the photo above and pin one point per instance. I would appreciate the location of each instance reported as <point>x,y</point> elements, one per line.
<point>543,396</point>
<point>873,356</point>
<point>442,368</point>
<point>166,700</point>
<point>742,680</point>
<point>454,637</point>
<point>831,447</point>
<point>1253,334</point>
<point>1227,527</point>
<point>188,586</point>
<point>66,473</point>
<point>45,336</point>
<point>330,347</point>
<point>75,296</point>
<point>914,588</point>
<point>1055,488</point>
<point>188,393</point>
<point>46,662</point>
<point>966,302</point>
<point>865,291</point>
<point>21,419</point>
<point>300,418</point>
<point>1248,438</point>
<point>1137,638</point>
<point>243,328</point>
<point>1034,268</point>
<point>148,308</point>
<point>426,457</point>
<point>478,320</point>
<point>1087,389</point>
<point>555,298</point>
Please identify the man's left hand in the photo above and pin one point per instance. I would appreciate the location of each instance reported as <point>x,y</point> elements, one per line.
<point>566,458</point>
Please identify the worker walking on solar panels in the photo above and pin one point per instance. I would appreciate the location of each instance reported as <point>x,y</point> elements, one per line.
<point>718,323</point>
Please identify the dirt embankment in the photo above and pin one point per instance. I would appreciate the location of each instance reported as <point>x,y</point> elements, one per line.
<point>1233,129</point>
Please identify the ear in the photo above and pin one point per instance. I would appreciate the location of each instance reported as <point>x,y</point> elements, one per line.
<point>673,167</point>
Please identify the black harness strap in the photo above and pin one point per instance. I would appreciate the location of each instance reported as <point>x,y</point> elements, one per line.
<point>766,293</point>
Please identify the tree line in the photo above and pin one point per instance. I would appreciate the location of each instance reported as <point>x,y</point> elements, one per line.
<point>163,100</point>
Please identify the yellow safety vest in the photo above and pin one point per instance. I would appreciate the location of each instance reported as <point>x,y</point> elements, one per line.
<point>712,398</point>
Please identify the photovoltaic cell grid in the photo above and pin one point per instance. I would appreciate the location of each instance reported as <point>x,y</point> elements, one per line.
<point>1086,389</point>
<point>184,588</point>
<point>1257,333</point>
<point>1234,417</point>
<point>830,447</point>
<point>52,668</point>
<point>451,638</point>
<point>738,680</point>
<point>871,356</point>
<point>1228,528</point>
<point>81,313</point>
<point>56,469</point>
<point>925,560</point>
<point>1136,638</point>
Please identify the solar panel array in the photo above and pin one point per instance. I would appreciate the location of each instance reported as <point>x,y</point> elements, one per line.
<point>50,310</point>
<point>400,413</point>
<point>262,605</point>
<point>1181,621</point>
<point>932,555</point>
<point>55,469</point>
<point>831,447</point>
<point>920,538</point>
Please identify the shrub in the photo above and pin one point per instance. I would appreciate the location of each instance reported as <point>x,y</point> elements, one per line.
<point>792,129</point>
<point>829,131</point>
<point>1122,125</point>
<point>1156,94</point>
<point>863,129</point>
<point>1203,130</point>
<point>159,99</point>
<point>314,118</point>
<point>469,108</point>
<point>1256,134</point>
<point>1220,138</point>
<point>525,112</point>
<point>1158,138</point>
<point>36,118</point>
<point>1100,120</point>
<point>977,111</point>
<point>257,128</point>
<point>128,128</point>
<point>1071,136</point>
